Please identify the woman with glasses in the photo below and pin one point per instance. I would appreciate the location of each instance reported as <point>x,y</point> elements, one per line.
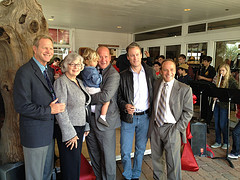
<point>71,124</point>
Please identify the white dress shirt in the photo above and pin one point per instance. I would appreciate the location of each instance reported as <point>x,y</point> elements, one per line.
<point>140,87</point>
<point>168,116</point>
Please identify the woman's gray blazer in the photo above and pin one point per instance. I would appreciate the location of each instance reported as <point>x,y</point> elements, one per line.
<point>76,99</point>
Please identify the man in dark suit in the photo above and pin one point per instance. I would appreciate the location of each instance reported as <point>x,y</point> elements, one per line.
<point>172,111</point>
<point>34,100</point>
<point>101,141</point>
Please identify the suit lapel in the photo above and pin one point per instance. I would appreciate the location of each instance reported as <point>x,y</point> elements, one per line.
<point>105,73</point>
<point>173,95</point>
<point>156,94</point>
<point>39,74</point>
<point>50,73</point>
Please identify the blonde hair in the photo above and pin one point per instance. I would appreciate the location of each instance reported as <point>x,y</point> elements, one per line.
<point>225,79</point>
<point>39,37</point>
<point>90,55</point>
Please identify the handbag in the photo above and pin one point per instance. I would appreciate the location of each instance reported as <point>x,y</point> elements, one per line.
<point>188,160</point>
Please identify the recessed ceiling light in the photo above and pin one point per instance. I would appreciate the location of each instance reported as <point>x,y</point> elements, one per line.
<point>187,10</point>
<point>119,27</point>
<point>51,19</point>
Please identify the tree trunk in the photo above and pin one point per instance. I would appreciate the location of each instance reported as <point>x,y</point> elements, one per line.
<point>20,22</point>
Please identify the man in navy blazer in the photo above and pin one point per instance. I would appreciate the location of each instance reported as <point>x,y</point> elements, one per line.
<point>34,101</point>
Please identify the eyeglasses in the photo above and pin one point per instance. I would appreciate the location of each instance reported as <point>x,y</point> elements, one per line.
<point>75,65</point>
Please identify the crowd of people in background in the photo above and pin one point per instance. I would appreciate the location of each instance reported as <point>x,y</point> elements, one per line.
<point>92,95</point>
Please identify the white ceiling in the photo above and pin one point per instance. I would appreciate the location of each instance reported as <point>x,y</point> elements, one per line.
<point>133,15</point>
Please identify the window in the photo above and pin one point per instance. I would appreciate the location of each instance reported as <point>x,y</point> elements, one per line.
<point>228,52</point>
<point>154,51</point>
<point>197,28</point>
<point>224,24</point>
<point>61,42</point>
<point>60,36</point>
<point>172,52</point>
<point>195,52</point>
<point>61,52</point>
<point>163,33</point>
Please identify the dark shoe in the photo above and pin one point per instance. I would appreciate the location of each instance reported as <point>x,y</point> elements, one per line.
<point>233,156</point>
<point>103,122</point>
<point>135,179</point>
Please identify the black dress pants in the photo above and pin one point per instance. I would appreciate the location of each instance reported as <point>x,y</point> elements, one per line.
<point>206,110</point>
<point>70,160</point>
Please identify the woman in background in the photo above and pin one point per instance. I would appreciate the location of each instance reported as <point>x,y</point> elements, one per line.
<point>221,108</point>
<point>72,122</point>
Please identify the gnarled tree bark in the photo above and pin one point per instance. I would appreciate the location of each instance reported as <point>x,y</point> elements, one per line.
<point>20,22</point>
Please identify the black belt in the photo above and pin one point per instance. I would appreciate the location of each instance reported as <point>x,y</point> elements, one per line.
<point>140,113</point>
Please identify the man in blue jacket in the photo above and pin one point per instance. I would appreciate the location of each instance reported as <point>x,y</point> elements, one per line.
<point>35,101</point>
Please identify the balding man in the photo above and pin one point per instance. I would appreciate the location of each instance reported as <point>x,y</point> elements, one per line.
<point>101,140</point>
<point>172,111</point>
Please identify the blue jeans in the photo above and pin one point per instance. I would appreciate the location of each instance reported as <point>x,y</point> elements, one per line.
<point>140,128</point>
<point>221,120</point>
<point>236,140</point>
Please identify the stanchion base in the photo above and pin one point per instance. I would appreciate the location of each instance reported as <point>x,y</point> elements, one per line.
<point>227,159</point>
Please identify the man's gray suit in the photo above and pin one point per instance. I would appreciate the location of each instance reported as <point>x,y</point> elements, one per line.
<point>181,106</point>
<point>101,140</point>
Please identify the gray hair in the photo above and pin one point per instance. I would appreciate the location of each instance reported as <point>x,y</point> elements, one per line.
<point>69,59</point>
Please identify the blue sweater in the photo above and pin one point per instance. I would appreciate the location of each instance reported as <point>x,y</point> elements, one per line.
<point>91,77</point>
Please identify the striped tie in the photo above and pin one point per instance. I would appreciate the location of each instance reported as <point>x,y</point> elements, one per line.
<point>162,105</point>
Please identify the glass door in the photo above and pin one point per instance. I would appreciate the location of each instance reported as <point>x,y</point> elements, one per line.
<point>172,52</point>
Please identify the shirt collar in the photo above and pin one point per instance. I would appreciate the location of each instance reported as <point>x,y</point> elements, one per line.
<point>42,67</point>
<point>170,83</point>
<point>142,69</point>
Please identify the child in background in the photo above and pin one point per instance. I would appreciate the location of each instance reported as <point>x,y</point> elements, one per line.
<point>92,80</point>
<point>56,66</point>
<point>114,64</point>
<point>157,68</point>
<point>183,74</point>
